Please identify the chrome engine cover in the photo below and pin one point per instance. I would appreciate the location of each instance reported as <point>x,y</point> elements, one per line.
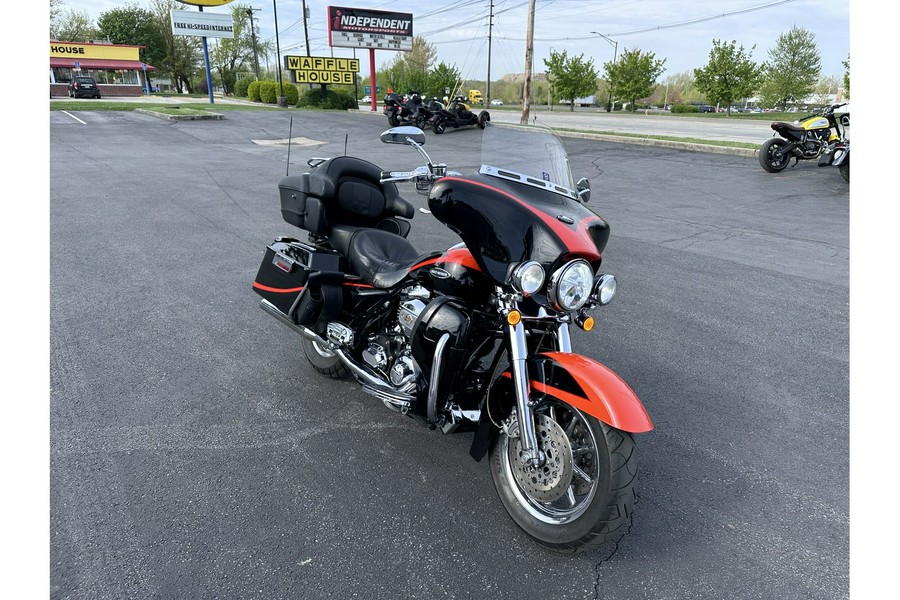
<point>407,314</point>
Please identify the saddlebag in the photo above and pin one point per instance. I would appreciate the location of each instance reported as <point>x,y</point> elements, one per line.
<point>285,272</point>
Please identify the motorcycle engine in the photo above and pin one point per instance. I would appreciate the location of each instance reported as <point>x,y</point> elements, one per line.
<point>389,352</point>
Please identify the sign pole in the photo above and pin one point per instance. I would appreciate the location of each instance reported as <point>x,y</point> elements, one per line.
<point>208,73</point>
<point>372,78</point>
<point>146,82</point>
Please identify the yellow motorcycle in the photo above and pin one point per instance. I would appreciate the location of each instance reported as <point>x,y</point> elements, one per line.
<point>804,139</point>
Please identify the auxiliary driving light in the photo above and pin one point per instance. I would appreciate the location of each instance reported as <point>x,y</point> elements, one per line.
<point>528,278</point>
<point>605,290</point>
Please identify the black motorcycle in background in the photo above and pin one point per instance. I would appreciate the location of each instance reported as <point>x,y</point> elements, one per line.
<point>458,115</point>
<point>396,109</point>
<point>476,338</point>
<point>411,109</point>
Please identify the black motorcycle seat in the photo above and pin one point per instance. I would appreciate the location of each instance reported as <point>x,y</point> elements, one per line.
<point>779,125</point>
<point>381,258</point>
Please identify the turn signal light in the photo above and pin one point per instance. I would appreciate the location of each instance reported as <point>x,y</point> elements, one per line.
<point>513,317</point>
<point>586,323</point>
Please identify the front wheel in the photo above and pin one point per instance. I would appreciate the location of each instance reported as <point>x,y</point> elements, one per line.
<point>583,495</point>
<point>772,156</point>
<point>845,170</point>
<point>483,118</point>
<point>438,127</point>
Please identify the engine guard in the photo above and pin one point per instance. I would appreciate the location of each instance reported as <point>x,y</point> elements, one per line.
<point>589,386</point>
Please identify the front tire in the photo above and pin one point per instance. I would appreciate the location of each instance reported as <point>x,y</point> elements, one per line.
<point>324,360</point>
<point>438,127</point>
<point>483,118</point>
<point>583,496</point>
<point>772,156</point>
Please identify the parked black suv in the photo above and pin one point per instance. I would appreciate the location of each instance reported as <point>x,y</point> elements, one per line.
<point>83,87</point>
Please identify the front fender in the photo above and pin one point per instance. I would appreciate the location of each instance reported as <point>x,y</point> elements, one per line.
<point>589,386</point>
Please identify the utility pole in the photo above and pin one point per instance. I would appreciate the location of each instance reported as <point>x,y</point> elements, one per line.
<point>529,51</point>
<point>250,11</point>
<point>490,28</point>
<point>282,100</point>
<point>305,30</point>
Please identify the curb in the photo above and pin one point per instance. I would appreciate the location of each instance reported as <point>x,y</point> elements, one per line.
<point>692,147</point>
<point>159,115</point>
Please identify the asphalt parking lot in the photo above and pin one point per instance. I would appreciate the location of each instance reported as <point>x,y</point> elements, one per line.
<point>194,453</point>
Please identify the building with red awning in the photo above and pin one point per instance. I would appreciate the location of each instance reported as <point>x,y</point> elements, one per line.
<point>116,68</point>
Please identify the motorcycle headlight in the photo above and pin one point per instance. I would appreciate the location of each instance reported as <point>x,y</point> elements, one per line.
<point>571,285</point>
<point>528,278</point>
<point>605,289</point>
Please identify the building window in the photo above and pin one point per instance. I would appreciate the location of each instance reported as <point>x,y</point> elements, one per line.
<point>120,77</point>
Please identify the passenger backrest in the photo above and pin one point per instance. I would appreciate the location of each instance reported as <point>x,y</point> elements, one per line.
<point>341,191</point>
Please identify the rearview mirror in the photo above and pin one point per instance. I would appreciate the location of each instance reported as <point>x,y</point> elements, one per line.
<point>584,189</point>
<point>403,135</point>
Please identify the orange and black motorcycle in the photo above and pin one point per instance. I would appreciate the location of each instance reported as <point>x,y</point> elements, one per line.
<point>804,139</point>
<point>475,338</point>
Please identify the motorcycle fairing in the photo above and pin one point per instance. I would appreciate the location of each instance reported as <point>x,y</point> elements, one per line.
<point>503,222</point>
<point>589,386</point>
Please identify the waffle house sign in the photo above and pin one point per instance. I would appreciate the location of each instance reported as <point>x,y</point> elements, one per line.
<point>324,70</point>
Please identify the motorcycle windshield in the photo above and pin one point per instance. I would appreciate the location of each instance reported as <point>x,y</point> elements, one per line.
<point>520,206</point>
<point>528,155</point>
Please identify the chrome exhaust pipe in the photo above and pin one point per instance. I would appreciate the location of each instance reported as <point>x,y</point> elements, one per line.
<point>271,309</point>
<point>396,399</point>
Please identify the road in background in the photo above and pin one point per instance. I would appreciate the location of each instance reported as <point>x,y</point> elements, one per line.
<point>195,454</point>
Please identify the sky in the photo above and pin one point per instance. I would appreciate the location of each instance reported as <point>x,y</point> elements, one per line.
<point>679,32</point>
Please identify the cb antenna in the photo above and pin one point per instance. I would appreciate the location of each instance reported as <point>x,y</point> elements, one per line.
<point>346,137</point>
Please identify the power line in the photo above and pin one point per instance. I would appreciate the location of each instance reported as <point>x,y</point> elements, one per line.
<point>660,27</point>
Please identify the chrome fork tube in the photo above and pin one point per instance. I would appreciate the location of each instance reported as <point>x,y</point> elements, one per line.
<point>532,455</point>
<point>563,338</point>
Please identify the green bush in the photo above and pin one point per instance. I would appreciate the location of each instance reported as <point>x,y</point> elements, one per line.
<point>253,91</point>
<point>268,92</point>
<point>684,108</point>
<point>240,87</point>
<point>333,100</point>
<point>291,94</point>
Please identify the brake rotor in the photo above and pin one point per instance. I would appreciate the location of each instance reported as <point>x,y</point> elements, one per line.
<point>550,481</point>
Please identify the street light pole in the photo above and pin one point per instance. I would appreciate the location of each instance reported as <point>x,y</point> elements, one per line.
<point>615,46</point>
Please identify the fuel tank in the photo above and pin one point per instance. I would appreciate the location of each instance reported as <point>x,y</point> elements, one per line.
<point>455,273</point>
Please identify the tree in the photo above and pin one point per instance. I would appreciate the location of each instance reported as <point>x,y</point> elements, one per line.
<point>571,77</point>
<point>793,68</point>
<point>442,77</point>
<point>409,70</point>
<point>74,26</point>
<point>136,26</point>
<point>846,64</point>
<point>55,16</point>
<point>230,54</point>
<point>729,75</point>
<point>826,91</point>
<point>181,56</point>
<point>634,75</point>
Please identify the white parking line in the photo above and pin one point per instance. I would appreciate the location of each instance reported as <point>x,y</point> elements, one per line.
<point>74,117</point>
